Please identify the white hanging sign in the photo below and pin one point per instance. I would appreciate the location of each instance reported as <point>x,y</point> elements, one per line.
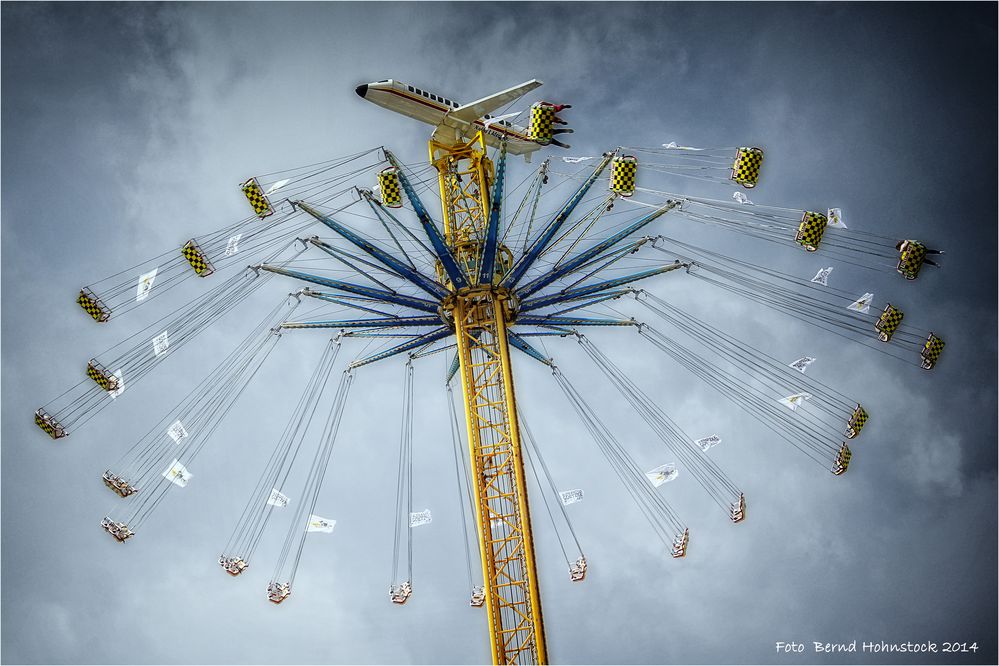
<point>320,524</point>
<point>662,474</point>
<point>232,245</point>
<point>161,343</point>
<point>835,217</point>
<point>145,284</point>
<point>571,496</point>
<point>672,145</point>
<point>420,518</point>
<point>177,474</point>
<point>793,401</point>
<point>862,304</point>
<point>822,277</point>
<point>706,443</point>
<point>276,186</point>
<point>177,431</point>
<point>801,363</point>
<point>278,499</point>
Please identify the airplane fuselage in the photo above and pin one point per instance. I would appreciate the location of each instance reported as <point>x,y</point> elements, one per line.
<point>437,110</point>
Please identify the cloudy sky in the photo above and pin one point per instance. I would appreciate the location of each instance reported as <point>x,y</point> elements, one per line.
<point>125,128</point>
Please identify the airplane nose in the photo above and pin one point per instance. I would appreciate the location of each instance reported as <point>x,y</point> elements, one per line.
<point>361,90</point>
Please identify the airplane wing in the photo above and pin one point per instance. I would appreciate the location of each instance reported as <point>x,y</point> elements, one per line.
<point>477,109</point>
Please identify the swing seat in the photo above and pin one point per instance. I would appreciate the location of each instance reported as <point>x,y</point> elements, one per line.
<point>48,423</point>
<point>811,229</point>
<point>738,509</point>
<point>93,306</point>
<point>259,202</point>
<point>233,565</point>
<point>680,544</point>
<point>278,592</point>
<point>399,594</point>
<point>118,484</point>
<point>746,168</point>
<point>118,530</point>
<point>931,351</point>
<point>888,322</point>
<point>389,187</point>
<point>856,422</point>
<point>104,378</point>
<point>911,259</point>
<point>577,571</point>
<point>542,119</point>
<point>624,170</point>
<point>842,461</point>
<point>197,258</point>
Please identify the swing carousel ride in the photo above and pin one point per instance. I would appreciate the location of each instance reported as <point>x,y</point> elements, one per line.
<point>502,268</point>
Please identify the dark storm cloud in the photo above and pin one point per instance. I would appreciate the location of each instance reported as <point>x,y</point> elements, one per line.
<point>125,127</point>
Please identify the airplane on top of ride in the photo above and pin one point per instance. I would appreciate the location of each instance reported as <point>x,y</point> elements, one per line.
<point>455,122</point>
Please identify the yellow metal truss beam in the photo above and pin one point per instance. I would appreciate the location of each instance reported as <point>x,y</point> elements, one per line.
<point>506,546</point>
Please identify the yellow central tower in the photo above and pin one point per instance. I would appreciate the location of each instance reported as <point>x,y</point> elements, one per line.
<point>481,313</point>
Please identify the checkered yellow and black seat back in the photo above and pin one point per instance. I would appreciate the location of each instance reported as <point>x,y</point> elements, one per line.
<point>746,168</point>
<point>811,229</point>
<point>102,376</point>
<point>197,258</point>
<point>542,119</point>
<point>888,322</point>
<point>48,423</point>
<point>624,173</point>
<point>911,259</point>
<point>931,351</point>
<point>842,461</point>
<point>258,200</point>
<point>391,190</point>
<point>856,422</point>
<point>93,306</point>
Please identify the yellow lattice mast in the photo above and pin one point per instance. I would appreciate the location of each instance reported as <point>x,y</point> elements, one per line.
<point>481,313</point>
